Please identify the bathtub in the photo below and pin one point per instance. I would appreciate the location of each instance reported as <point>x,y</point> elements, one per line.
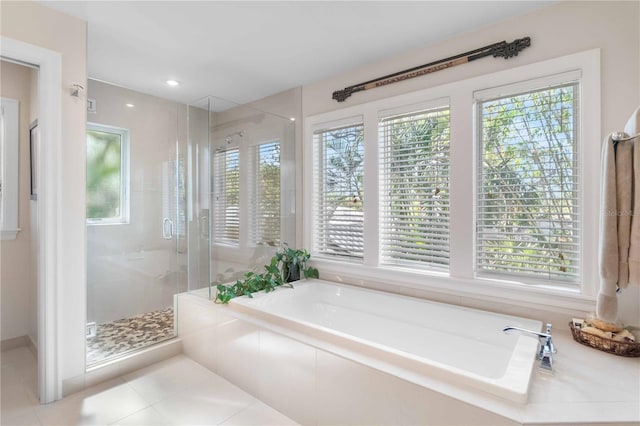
<point>418,340</point>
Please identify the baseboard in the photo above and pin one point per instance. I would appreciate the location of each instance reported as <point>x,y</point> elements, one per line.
<point>15,342</point>
<point>33,346</point>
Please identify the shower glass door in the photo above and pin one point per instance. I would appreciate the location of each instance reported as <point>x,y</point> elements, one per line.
<point>135,220</point>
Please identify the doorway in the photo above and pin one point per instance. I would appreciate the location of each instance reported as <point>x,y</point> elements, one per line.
<point>48,181</point>
<point>19,241</point>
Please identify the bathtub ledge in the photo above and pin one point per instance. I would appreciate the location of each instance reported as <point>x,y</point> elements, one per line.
<point>588,386</point>
<point>606,392</point>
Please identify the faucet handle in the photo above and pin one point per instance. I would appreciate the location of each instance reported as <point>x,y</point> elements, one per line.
<point>546,348</point>
<point>549,342</point>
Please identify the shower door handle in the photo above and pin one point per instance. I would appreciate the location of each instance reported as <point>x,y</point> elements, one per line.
<point>204,226</point>
<point>167,228</point>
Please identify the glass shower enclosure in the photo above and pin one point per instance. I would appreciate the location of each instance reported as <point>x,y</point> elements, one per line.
<point>179,198</point>
<point>136,230</point>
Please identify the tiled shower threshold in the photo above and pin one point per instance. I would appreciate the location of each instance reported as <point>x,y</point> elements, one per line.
<point>121,337</point>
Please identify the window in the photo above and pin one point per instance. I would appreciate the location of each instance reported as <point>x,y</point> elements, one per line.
<point>107,174</point>
<point>414,213</point>
<point>339,215</point>
<point>473,188</point>
<point>226,183</point>
<point>264,200</point>
<point>528,215</point>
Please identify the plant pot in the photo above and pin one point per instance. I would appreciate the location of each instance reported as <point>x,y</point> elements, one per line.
<point>290,273</point>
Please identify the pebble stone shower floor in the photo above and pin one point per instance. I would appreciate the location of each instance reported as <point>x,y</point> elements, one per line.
<point>124,335</point>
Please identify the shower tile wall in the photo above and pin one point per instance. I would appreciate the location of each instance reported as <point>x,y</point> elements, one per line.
<point>127,284</point>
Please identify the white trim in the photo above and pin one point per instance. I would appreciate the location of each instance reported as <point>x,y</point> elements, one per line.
<point>9,234</point>
<point>590,137</point>
<point>10,161</point>
<point>462,281</point>
<point>337,123</point>
<point>49,184</point>
<point>527,85</point>
<point>414,108</point>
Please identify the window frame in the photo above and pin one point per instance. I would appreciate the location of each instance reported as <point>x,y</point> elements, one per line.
<point>514,90</point>
<point>415,109</point>
<point>244,246</point>
<point>461,281</point>
<point>125,183</point>
<point>319,154</point>
<point>216,239</point>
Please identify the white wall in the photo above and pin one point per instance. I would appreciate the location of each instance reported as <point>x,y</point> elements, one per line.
<point>18,304</point>
<point>38,25</point>
<point>557,30</point>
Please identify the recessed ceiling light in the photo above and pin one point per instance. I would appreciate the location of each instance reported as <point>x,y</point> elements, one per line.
<point>130,105</point>
<point>173,83</point>
<point>292,119</point>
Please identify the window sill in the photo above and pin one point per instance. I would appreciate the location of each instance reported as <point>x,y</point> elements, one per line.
<point>102,223</point>
<point>9,234</point>
<point>530,296</point>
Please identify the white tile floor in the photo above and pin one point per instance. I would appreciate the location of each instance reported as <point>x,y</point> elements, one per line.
<point>177,391</point>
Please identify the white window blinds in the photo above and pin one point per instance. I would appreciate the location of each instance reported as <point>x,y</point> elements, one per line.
<point>339,217</point>
<point>414,192</point>
<point>528,216</point>
<point>174,195</point>
<point>264,199</point>
<point>226,227</point>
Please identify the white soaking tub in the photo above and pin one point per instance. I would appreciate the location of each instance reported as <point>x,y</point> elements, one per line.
<point>457,346</point>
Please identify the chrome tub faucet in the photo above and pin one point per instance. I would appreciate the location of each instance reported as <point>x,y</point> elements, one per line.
<point>546,349</point>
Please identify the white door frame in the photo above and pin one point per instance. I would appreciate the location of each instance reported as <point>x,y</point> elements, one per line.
<point>48,208</point>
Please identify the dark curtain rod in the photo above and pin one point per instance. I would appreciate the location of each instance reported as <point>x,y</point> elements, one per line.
<point>501,49</point>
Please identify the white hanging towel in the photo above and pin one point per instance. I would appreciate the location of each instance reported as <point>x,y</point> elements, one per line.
<point>615,224</point>
<point>619,251</point>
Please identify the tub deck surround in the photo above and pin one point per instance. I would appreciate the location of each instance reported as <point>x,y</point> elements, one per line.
<point>422,340</point>
<point>315,381</point>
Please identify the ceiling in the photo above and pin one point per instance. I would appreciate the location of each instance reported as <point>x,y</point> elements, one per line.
<point>243,51</point>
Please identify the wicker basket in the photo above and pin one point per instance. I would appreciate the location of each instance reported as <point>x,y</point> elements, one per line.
<point>606,345</point>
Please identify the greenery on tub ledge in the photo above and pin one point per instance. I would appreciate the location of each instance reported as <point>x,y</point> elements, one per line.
<point>286,265</point>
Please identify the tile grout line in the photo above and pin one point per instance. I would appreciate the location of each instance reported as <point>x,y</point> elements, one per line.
<point>238,412</point>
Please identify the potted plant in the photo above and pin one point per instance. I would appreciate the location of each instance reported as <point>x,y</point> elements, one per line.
<point>293,263</point>
<point>286,266</point>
